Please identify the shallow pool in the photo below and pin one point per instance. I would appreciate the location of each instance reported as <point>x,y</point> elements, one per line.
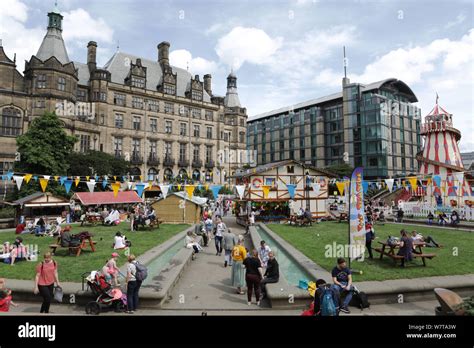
<point>290,269</point>
<point>158,264</point>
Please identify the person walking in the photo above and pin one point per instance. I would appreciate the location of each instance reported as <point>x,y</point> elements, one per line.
<point>133,285</point>
<point>46,277</point>
<point>239,254</point>
<point>220,229</point>
<point>253,276</point>
<point>229,241</point>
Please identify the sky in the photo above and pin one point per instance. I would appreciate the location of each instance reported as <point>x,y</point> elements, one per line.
<point>283,52</point>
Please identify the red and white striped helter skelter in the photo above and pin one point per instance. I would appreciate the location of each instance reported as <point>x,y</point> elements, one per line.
<point>441,154</point>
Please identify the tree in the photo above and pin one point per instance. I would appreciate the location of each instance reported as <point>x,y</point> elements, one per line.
<point>97,163</point>
<point>45,147</point>
<point>342,169</point>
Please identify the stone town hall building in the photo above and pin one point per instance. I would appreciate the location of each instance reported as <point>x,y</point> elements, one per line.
<point>159,117</point>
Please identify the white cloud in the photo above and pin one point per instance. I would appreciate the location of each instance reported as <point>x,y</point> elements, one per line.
<point>250,45</point>
<point>79,27</point>
<point>459,19</point>
<point>184,59</point>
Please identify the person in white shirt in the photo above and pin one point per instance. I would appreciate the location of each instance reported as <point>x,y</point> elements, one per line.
<point>252,218</point>
<point>190,242</point>
<point>219,232</point>
<point>119,241</point>
<point>113,217</point>
<point>263,253</point>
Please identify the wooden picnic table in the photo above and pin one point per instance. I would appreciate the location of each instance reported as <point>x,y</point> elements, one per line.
<point>77,249</point>
<point>92,218</point>
<point>389,250</point>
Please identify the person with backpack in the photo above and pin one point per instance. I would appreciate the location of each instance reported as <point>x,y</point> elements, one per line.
<point>326,300</point>
<point>136,274</point>
<point>46,277</point>
<point>342,279</point>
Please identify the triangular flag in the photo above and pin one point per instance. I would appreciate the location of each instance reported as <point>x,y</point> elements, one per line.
<point>266,190</point>
<point>316,187</point>
<point>87,178</point>
<point>437,180</point>
<point>129,185</point>
<point>124,178</point>
<point>62,179</point>
<point>19,180</point>
<point>96,178</point>
<point>164,189</point>
<point>76,181</point>
<point>389,183</point>
<point>67,185</point>
<point>90,185</point>
<point>47,177</point>
<point>139,188</point>
<point>291,190</point>
<point>56,178</point>
<point>340,187</point>
<point>206,187</point>
<point>10,175</point>
<point>141,177</point>
<point>365,186</point>
<point>413,182</point>
<point>189,190</point>
<point>115,177</point>
<point>43,183</point>
<point>115,188</point>
<point>428,182</point>
<point>179,187</point>
<point>215,190</point>
<point>240,190</point>
<point>35,178</point>
<point>104,182</point>
<point>28,178</point>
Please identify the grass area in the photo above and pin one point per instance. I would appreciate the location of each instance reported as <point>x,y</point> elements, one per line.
<point>312,242</point>
<point>71,267</point>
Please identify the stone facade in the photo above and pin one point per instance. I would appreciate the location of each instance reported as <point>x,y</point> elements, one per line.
<point>162,119</point>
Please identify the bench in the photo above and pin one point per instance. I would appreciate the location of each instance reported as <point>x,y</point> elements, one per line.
<point>77,249</point>
<point>394,257</point>
<point>155,223</point>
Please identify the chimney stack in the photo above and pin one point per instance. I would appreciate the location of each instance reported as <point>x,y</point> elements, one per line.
<point>208,84</point>
<point>163,53</point>
<point>92,55</point>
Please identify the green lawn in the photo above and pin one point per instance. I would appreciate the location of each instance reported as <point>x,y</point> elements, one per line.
<point>71,267</point>
<point>312,241</point>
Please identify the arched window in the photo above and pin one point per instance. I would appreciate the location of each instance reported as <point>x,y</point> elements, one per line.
<point>152,174</point>
<point>183,174</point>
<point>196,175</point>
<point>168,174</point>
<point>208,176</point>
<point>10,122</point>
<point>135,171</point>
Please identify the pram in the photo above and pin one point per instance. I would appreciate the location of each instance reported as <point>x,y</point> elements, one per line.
<point>107,296</point>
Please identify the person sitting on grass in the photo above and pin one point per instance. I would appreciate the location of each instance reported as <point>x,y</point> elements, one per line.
<point>20,228</point>
<point>119,242</point>
<point>40,227</point>
<point>113,217</point>
<point>406,247</point>
<point>454,218</point>
<point>342,279</point>
<point>18,251</point>
<point>55,230</point>
<point>429,241</point>
<point>442,219</point>
<point>382,216</point>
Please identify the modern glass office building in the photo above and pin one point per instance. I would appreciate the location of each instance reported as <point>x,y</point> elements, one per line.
<point>375,126</point>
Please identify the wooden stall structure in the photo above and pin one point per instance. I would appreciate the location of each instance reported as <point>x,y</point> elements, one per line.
<point>178,208</point>
<point>40,204</point>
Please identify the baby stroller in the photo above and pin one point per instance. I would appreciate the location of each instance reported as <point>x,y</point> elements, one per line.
<point>107,296</point>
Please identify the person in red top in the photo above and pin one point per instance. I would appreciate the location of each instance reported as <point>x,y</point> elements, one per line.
<point>20,228</point>
<point>46,277</point>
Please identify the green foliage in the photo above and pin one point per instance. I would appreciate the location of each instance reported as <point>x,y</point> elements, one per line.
<point>45,147</point>
<point>467,305</point>
<point>7,212</point>
<point>342,169</point>
<point>96,162</point>
<point>33,186</point>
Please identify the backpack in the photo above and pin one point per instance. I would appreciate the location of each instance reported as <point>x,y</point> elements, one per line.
<point>141,272</point>
<point>360,300</point>
<point>329,302</point>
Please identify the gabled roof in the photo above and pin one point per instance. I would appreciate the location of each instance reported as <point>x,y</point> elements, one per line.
<point>41,199</point>
<point>28,198</point>
<point>100,198</point>
<point>181,194</point>
<point>266,167</point>
<point>4,58</point>
<point>119,68</point>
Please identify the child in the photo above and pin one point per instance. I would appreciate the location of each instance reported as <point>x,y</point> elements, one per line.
<point>5,297</point>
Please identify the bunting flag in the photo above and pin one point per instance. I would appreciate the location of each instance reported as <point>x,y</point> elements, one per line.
<point>365,186</point>
<point>115,188</point>
<point>9,175</point>
<point>87,178</point>
<point>90,185</point>
<point>452,191</point>
<point>47,177</point>
<point>190,190</point>
<point>413,182</point>
<point>62,179</point>
<point>389,183</point>
<point>129,185</point>
<point>437,180</point>
<point>77,180</point>
<point>206,187</point>
<point>67,184</point>
<point>316,187</point>
<point>215,190</point>
<point>124,178</point>
<point>115,177</point>
<point>240,190</point>
<point>428,182</point>
<point>179,187</point>
<point>139,188</point>
<point>164,189</point>
<point>56,178</point>
<point>291,190</point>
<point>266,190</point>
<point>43,183</point>
<point>340,187</point>
<point>35,178</point>
<point>104,183</point>
<point>96,178</point>
<point>28,177</point>
<point>19,180</point>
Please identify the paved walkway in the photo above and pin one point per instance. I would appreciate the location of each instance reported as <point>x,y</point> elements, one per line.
<point>206,283</point>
